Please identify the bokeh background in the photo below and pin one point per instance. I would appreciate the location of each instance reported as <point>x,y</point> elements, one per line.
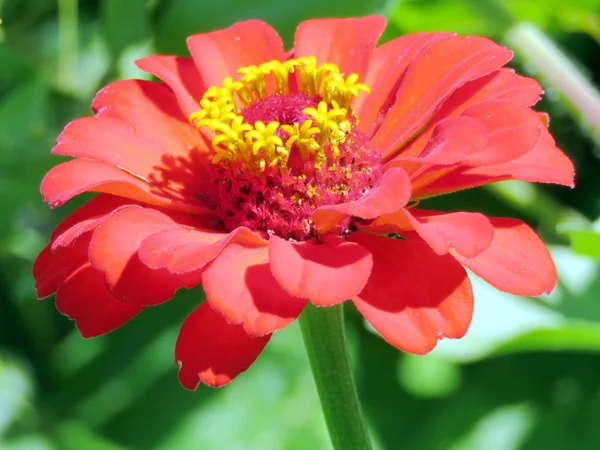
<point>526,377</point>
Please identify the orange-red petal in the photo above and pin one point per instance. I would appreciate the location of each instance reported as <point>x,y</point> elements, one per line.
<point>414,296</point>
<point>239,285</point>
<point>181,75</point>
<point>391,192</point>
<point>348,43</point>
<point>219,54</point>
<point>213,351</point>
<point>326,272</point>
<point>436,72</point>
<point>517,261</point>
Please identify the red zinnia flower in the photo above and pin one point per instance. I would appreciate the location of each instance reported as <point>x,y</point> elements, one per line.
<point>274,178</point>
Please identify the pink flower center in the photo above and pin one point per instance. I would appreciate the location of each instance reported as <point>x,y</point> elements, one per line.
<point>285,146</point>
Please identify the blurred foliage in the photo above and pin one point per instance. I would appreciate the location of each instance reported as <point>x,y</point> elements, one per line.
<point>526,375</point>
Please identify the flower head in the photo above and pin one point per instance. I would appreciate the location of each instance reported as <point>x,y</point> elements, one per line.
<point>276,178</point>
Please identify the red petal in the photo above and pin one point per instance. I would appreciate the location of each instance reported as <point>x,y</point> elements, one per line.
<point>221,53</point>
<point>327,273</point>
<point>150,109</point>
<point>181,75</point>
<point>432,77</point>
<point>241,287</point>
<point>388,64</point>
<point>181,250</point>
<point>544,164</point>
<point>83,297</point>
<point>51,268</point>
<point>213,351</point>
<point>113,251</point>
<point>392,192</point>
<point>503,85</point>
<point>348,43</point>
<point>414,297</point>
<point>71,178</point>
<point>467,233</point>
<point>517,261</point>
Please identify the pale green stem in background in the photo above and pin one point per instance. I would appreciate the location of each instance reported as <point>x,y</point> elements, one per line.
<point>325,340</point>
<point>68,38</point>
<point>559,72</point>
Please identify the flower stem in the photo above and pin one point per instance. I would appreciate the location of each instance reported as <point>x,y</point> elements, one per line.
<point>325,340</point>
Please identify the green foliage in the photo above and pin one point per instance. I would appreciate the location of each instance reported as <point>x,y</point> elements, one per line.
<point>524,377</point>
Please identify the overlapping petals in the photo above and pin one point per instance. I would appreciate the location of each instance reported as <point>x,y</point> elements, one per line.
<point>443,114</point>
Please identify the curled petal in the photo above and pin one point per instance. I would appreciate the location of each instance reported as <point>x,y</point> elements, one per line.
<point>326,272</point>
<point>392,192</point>
<point>183,249</point>
<point>83,297</point>
<point>517,261</point>
<point>436,72</point>
<point>430,297</point>
<point>113,251</point>
<point>348,43</point>
<point>213,351</point>
<point>239,285</point>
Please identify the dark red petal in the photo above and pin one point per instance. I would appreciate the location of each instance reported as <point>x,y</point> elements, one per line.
<point>414,297</point>
<point>466,232</point>
<point>219,54</point>
<point>328,272</point>
<point>213,351</point>
<point>71,178</point>
<point>239,285</point>
<point>113,251</point>
<point>51,268</point>
<point>182,249</point>
<point>503,85</point>
<point>83,297</point>
<point>392,192</point>
<point>181,75</point>
<point>388,64</point>
<point>348,43</point>
<point>436,72</point>
<point>517,261</point>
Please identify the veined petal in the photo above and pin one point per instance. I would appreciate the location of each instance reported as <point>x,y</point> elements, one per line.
<point>326,272</point>
<point>74,177</point>
<point>517,261</point>
<point>150,110</point>
<point>436,72</point>
<point>181,75</point>
<point>83,297</point>
<point>213,351</point>
<point>219,54</point>
<point>388,64</point>
<point>113,251</point>
<point>239,285</point>
<point>500,86</point>
<point>348,43</point>
<point>430,297</point>
<point>392,192</point>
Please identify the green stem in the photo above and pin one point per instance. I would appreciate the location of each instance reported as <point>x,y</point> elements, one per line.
<point>325,340</point>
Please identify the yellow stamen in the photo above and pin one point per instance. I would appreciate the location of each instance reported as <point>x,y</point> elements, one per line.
<point>257,145</point>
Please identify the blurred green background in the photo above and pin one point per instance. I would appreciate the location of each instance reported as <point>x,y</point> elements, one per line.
<point>527,376</point>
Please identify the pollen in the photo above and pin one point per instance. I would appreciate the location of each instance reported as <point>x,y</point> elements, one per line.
<point>312,134</point>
